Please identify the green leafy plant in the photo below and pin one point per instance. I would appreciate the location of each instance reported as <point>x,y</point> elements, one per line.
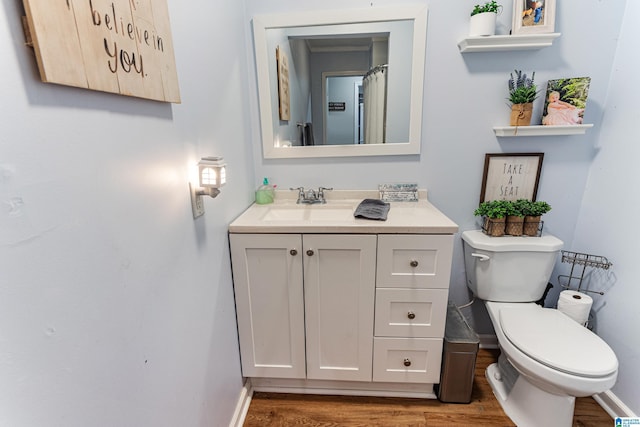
<point>493,209</point>
<point>529,208</point>
<point>516,208</point>
<point>538,208</point>
<point>522,89</point>
<point>490,6</point>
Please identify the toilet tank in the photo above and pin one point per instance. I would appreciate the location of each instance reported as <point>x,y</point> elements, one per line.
<point>509,269</point>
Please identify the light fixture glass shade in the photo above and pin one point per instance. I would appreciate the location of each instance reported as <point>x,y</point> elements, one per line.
<point>212,172</point>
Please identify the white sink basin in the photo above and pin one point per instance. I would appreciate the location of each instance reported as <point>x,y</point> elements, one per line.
<point>284,214</point>
<point>314,213</point>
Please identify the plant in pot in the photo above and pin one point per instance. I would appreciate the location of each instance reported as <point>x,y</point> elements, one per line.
<point>483,19</point>
<point>533,211</point>
<point>515,217</point>
<point>494,213</point>
<point>522,93</point>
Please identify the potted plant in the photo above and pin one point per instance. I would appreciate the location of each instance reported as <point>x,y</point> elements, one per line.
<point>515,218</point>
<point>533,211</point>
<point>494,212</point>
<point>483,19</point>
<point>522,93</point>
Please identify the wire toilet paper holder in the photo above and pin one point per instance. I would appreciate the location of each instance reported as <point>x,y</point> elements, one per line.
<point>584,260</point>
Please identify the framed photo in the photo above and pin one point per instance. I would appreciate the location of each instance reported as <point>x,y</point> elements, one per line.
<point>283,84</point>
<point>565,101</point>
<point>511,176</point>
<point>533,17</point>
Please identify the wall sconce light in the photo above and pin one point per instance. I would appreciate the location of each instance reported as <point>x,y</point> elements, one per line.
<point>212,176</point>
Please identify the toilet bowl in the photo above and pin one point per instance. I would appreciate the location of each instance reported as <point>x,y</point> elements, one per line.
<point>547,359</point>
<point>550,360</point>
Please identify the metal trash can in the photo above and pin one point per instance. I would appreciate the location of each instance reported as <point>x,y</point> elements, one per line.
<point>458,359</point>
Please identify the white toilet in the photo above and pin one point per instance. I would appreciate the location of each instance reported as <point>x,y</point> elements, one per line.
<point>547,359</point>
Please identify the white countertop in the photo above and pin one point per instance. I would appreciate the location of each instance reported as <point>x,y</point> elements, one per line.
<point>336,216</point>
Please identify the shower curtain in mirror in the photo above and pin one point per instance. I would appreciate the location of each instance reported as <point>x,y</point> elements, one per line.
<point>374,85</point>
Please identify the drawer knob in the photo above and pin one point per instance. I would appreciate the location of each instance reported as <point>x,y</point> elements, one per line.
<point>411,315</point>
<point>310,252</point>
<point>413,263</point>
<point>407,362</point>
<point>293,252</point>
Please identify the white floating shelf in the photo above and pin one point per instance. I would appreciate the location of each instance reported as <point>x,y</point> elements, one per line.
<point>504,43</point>
<point>541,130</point>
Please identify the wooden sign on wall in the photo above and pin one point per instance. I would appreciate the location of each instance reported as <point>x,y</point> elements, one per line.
<point>118,46</point>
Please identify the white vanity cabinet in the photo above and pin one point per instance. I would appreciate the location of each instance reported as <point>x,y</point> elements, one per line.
<point>328,303</point>
<point>294,288</point>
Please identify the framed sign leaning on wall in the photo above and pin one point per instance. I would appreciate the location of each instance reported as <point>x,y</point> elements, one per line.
<point>511,176</point>
<point>532,17</point>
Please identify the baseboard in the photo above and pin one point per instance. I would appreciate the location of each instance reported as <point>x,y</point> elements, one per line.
<point>242,407</point>
<point>343,388</point>
<point>614,406</point>
<point>488,341</point>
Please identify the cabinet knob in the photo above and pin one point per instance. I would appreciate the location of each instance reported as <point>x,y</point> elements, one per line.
<point>310,252</point>
<point>293,252</point>
<point>411,315</point>
<point>413,263</point>
<point>407,362</point>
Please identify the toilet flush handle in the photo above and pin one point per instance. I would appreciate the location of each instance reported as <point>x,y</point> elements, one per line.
<point>481,257</point>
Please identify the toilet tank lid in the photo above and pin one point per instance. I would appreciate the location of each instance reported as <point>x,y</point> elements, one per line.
<point>479,240</point>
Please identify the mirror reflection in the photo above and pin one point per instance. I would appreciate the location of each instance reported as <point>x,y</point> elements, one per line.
<point>351,84</point>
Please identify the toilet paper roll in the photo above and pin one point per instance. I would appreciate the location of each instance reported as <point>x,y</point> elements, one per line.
<point>575,305</point>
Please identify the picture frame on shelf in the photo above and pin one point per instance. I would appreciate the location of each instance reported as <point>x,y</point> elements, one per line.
<point>511,176</point>
<point>565,101</point>
<point>533,17</point>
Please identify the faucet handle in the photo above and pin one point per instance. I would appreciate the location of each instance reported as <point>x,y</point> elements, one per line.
<point>300,191</point>
<point>321,191</point>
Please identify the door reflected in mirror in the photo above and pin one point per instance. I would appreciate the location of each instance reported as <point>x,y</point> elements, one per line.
<point>343,109</point>
<point>354,85</point>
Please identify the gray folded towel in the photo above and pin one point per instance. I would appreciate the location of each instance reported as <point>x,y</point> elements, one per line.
<point>372,209</point>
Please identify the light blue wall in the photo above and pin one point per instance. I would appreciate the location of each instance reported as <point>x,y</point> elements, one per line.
<point>464,96</point>
<point>116,307</point>
<point>606,224</point>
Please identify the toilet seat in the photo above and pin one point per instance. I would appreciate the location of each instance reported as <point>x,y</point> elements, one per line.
<point>557,341</point>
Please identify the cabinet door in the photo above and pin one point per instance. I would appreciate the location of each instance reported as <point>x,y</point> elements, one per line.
<point>414,261</point>
<point>267,277</point>
<point>339,274</point>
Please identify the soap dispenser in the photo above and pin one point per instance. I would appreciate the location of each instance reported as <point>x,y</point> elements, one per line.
<point>265,193</point>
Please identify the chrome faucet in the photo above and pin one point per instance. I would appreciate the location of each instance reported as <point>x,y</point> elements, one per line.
<point>311,196</point>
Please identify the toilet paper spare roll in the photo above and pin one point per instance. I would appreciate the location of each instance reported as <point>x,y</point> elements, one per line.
<point>575,305</point>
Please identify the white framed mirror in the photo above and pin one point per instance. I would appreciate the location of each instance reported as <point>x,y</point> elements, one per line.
<point>297,111</point>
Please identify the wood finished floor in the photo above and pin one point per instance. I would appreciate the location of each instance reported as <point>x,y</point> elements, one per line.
<point>273,409</point>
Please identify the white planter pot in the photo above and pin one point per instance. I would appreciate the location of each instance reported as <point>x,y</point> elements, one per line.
<point>483,24</point>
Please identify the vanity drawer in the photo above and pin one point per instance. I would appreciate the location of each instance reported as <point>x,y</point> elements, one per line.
<point>413,313</point>
<point>407,360</point>
<point>414,261</point>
